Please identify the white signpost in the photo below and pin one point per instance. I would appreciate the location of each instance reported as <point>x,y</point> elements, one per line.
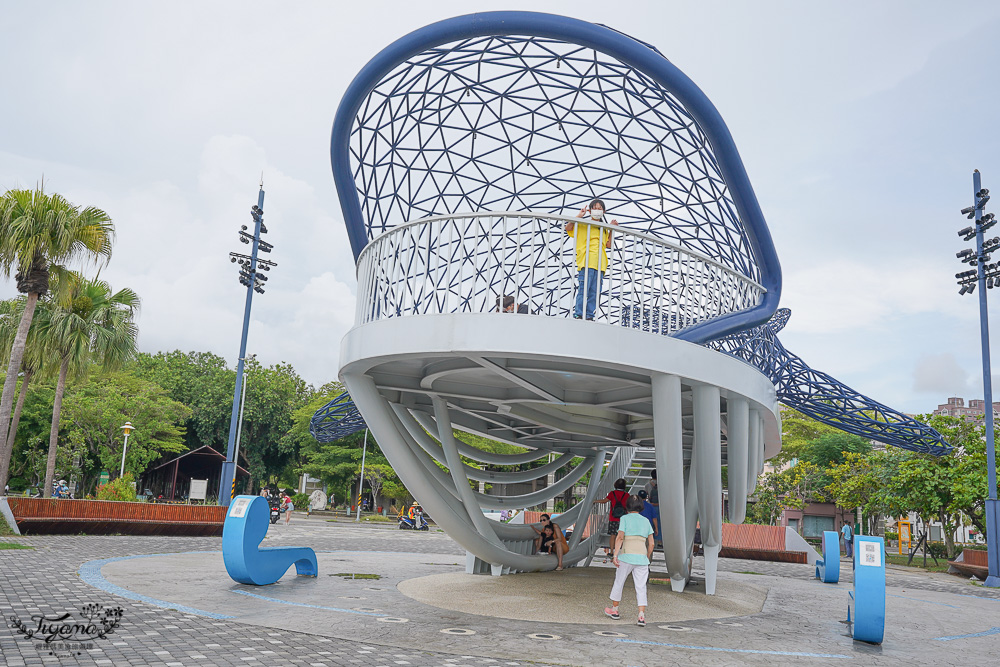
<point>199,489</point>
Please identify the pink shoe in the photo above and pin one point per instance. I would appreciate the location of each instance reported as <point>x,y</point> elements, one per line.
<point>612,612</point>
<point>642,621</point>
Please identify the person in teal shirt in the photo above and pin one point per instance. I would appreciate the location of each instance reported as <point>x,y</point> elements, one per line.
<point>632,553</point>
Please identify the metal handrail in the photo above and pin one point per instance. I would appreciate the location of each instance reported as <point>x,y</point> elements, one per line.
<point>464,262</point>
<point>565,219</point>
<point>617,468</point>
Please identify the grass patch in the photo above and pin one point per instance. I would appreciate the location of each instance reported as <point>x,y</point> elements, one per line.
<point>749,572</point>
<point>918,562</point>
<point>356,575</point>
<point>378,518</point>
<point>13,545</point>
<point>5,530</point>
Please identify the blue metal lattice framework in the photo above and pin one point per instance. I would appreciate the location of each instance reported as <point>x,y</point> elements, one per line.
<point>524,111</point>
<point>822,397</point>
<point>337,419</point>
<point>519,111</point>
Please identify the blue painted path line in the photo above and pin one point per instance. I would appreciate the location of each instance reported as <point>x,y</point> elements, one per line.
<point>310,606</point>
<point>984,633</point>
<point>736,650</point>
<point>90,573</point>
<point>903,597</point>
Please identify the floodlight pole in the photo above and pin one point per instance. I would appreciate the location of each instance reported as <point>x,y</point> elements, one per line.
<point>992,518</point>
<point>228,480</point>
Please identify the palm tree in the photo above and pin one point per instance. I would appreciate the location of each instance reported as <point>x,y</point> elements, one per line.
<point>11,311</point>
<point>37,232</point>
<point>87,323</point>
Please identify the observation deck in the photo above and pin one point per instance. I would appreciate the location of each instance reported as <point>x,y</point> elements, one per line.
<point>433,350</point>
<point>472,262</point>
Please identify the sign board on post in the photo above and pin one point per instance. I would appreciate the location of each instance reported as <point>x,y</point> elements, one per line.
<point>199,489</point>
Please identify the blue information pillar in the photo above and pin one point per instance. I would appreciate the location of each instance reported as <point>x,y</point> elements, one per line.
<point>866,603</point>
<point>828,567</point>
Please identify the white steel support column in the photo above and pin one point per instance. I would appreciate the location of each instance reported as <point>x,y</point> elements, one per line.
<point>738,456</point>
<point>753,469</point>
<point>708,452</point>
<point>668,436</point>
<point>690,510</point>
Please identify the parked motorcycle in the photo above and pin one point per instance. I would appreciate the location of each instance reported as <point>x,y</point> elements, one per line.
<point>275,512</point>
<point>405,523</point>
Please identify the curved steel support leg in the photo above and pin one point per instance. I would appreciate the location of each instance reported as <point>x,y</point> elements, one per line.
<point>458,475</point>
<point>588,501</point>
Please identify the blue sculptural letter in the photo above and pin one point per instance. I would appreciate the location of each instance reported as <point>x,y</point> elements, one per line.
<point>245,527</point>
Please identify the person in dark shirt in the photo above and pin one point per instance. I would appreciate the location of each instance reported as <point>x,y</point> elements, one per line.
<point>649,511</point>
<point>618,498</point>
<point>509,306</point>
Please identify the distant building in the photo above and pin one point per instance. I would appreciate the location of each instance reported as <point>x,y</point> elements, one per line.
<point>973,412</point>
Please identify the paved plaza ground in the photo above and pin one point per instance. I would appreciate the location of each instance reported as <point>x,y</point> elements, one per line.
<point>180,608</point>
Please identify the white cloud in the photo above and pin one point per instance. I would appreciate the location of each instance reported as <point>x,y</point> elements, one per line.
<point>856,142</point>
<point>942,375</point>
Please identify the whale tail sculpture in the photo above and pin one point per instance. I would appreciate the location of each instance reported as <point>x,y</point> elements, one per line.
<point>245,527</point>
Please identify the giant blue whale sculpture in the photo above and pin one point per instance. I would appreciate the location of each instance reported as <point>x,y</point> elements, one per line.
<point>608,116</point>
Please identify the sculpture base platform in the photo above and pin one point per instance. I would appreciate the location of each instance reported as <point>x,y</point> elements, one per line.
<point>576,595</point>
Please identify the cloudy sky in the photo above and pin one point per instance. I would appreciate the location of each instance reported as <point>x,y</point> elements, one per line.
<point>859,123</point>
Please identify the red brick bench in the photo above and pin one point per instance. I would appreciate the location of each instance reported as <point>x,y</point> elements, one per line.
<point>102,517</point>
<point>754,542</point>
<point>972,562</point>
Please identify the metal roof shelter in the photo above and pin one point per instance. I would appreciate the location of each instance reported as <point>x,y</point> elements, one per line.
<point>172,478</point>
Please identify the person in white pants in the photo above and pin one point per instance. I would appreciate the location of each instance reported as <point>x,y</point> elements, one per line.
<point>632,553</point>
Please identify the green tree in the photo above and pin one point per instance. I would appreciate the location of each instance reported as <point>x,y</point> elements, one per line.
<point>772,497</point>
<point>273,395</point>
<point>790,488</point>
<point>38,231</point>
<point>29,454</point>
<point>864,480</point>
<point>797,431</point>
<point>199,380</point>
<point>378,475</point>
<point>831,449</point>
<point>96,410</point>
<point>11,311</point>
<point>88,322</point>
<point>944,488</point>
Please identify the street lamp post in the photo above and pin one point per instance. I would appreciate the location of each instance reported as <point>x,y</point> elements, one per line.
<point>254,281</point>
<point>361,482</point>
<point>126,429</point>
<point>985,276</point>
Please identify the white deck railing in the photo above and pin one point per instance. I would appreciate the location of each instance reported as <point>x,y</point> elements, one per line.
<point>462,263</point>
